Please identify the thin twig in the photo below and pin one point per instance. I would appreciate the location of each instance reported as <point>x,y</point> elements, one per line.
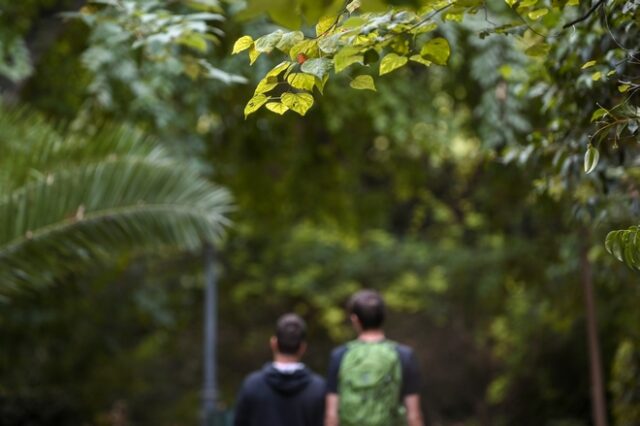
<point>585,16</point>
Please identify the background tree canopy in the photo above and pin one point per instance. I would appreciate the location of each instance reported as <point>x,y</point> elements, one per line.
<point>474,184</point>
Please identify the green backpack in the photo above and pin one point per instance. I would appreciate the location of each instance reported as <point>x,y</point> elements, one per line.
<point>369,384</point>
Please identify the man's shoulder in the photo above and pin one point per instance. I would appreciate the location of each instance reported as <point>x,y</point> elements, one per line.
<point>253,379</point>
<point>404,350</point>
<point>339,350</point>
<point>338,353</point>
<point>317,380</point>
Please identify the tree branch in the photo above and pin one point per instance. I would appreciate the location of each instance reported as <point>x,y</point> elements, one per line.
<point>585,16</point>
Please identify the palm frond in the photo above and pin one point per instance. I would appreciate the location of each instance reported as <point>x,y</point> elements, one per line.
<point>67,202</point>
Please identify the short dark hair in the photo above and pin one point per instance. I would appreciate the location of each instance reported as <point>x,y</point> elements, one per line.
<point>291,332</point>
<point>369,307</point>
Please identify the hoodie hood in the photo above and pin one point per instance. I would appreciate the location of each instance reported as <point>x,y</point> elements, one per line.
<point>287,383</point>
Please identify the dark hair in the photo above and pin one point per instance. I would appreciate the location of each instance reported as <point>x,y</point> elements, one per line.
<point>368,306</point>
<point>291,331</point>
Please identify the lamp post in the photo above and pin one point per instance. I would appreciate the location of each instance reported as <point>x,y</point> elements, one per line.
<point>210,392</point>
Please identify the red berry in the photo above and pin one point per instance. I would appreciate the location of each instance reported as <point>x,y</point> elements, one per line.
<point>301,58</point>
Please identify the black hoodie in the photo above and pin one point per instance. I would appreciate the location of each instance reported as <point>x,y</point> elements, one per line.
<point>272,398</point>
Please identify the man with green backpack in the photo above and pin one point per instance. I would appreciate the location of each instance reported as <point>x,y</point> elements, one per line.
<point>372,381</point>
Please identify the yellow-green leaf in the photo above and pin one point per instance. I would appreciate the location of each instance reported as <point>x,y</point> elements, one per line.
<point>277,107</point>
<point>538,49</point>
<point>596,76</point>
<point>302,81</point>
<point>309,47</point>
<point>511,2</point>
<point>424,28</point>
<point>298,102</point>
<point>588,64</point>
<point>277,70</point>
<point>538,13</point>
<point>320,82</point>
<point>253,55</point>
<point>599,113</point>
<point>195,41</point>
<point>436,50</point>
<point>268,42</point>
<point>419,59</point>
<point>345,57</point>
<point>526,4</point>
<point>591,158</point>
<point>353,6</point>
<point>325,24</point>
<point>573,3</point>
<point>392,62</point>
<point>288,40</point>
<point>317,66</point>
<point>243,43</point>
<point>266,84</point>
<point>623,88</point>
<point>254,104</point>
<point>363,82</point>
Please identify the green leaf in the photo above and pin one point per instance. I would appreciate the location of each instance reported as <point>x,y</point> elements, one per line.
<point>600,112</point>
<point>205,5</point>
<point>424,28</point>
<point>288,40</point>
<point>419,59</point>
<point>254,104</point>
<point>591,158</point>
<point>320,82</point>
<point>301,81</point>
<point>243,43</point>
<point>614,243</point>
<point>538,49</point>
<point>253,55</point>
<point>329,44</point>
<point>623,88</point>
<point>266,84</point>
<point>436,50</point>
<point>277,107</point>
<point>537,14</point>
<point>277,70</point>
<point>298,102</point>
<point>325,24</point>
<point>596,76</point>
<point>363,82</point>
<point>588,64</point>
<point>392,62</point>
<point>511,2</point>
<point>308,47</point>
<point>317,66</point>
<point>346,57</point>
<point>353,6</point>
<point>267,43</point>
<point>195,41</point>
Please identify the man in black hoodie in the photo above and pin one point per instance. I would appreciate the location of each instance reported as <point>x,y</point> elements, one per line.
<point>285,392</point>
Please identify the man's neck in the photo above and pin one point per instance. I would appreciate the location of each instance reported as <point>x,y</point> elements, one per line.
<point>371,335</point>
<point>285,359</point>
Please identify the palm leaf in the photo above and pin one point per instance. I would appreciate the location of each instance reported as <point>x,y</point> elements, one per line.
<point>67,202</point>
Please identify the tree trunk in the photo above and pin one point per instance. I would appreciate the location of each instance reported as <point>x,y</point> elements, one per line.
<point>598,403</point>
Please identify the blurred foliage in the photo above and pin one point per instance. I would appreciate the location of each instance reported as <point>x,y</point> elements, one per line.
<point>417,189</point>
<point>69,199</point>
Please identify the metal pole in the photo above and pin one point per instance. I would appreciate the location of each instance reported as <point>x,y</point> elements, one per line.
<point>209,395</point>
